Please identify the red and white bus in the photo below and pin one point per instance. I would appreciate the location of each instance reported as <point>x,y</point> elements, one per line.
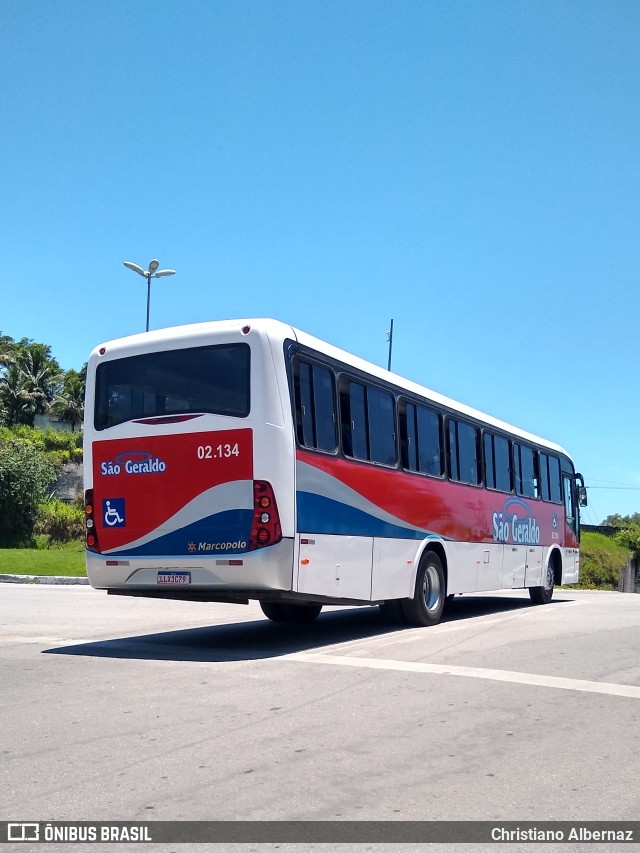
<point>245,459</point>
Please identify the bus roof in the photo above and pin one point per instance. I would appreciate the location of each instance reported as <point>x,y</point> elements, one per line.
<point>278,332</point>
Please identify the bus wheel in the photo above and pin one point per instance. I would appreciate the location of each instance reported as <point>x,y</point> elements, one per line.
<point>427,604</point>
<point>543,594</point>
<point>277,611</point>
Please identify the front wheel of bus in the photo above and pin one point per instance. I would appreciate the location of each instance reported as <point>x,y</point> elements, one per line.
<point>543,594</point>
<point>278,611</point>
<point>427,604</point>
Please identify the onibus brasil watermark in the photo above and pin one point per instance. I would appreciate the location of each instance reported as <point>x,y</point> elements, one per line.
<point>300,832</point>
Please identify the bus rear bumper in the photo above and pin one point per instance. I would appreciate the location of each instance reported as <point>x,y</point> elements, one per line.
<point>265,569</point>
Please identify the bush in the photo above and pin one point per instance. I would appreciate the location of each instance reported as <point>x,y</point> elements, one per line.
<point>59,521</point>
<point>54,440</point>
<point>26,475</point>
<point>48,439</point>
<point>602,561</point>
<point>629,537</point>
<point>25,433</point>
<point>59,457</point>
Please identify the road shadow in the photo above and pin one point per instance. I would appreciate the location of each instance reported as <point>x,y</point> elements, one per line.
<point>260,639</point>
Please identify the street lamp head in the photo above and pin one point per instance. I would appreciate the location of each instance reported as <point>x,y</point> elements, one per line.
<point>130,265</point>
<point>151,272</point>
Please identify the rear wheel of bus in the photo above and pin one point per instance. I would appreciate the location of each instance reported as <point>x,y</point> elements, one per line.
<point>544,594</point>
<point>427,604</point>
<point>278,611</point>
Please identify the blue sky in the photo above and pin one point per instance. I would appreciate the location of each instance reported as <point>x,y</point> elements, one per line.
<point>469,169</point>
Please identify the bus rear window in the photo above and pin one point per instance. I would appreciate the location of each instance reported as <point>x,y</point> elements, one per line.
<point>213,379</point>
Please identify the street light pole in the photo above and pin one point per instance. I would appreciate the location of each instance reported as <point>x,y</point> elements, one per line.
<point>152,271</point>
<point>148,299</point>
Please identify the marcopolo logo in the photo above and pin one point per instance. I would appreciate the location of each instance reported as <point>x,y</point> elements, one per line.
<point>216,546</point>
<point>515,524</point>
<point>133,462</point>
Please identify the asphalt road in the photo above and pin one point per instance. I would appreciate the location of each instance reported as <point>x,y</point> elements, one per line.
<point>128,709</point>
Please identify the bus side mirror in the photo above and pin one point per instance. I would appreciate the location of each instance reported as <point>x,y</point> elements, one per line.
<point>582,490</point>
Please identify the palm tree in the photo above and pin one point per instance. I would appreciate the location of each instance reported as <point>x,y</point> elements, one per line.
<point>29,380</point>
<point>41,375</point>
<point>7,351</point>
<point>15,400</point>
<point>69,403</point>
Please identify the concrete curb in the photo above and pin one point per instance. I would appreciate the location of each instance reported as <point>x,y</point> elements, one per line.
<point>44,579</point>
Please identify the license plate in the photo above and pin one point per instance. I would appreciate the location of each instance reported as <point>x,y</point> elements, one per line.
<point>174,577</point>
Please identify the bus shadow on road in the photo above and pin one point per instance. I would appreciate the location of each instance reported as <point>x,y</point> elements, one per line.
<point>261,639</point>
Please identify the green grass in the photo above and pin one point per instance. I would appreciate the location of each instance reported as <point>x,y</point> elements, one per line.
<point>66,561</point>
<point>601,562</point>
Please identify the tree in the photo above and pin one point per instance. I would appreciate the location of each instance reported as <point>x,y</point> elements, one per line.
<point>6,346</point>
<point>29,379</point>
<point>26,475</point>
<point>41,375</point>
<point>15,400</point>
<point>69,403</point>
<point>630,537</point>
<point>9,349</point>
<point>621,520</point>
<point>628,530</point>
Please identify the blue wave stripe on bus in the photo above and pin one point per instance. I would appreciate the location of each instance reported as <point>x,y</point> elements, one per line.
<point>314,481</point>
<point>317,514</point>
<point>232,526</point>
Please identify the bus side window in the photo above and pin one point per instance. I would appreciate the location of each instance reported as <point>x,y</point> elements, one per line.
<point>525,467</point>
<point>502,458</point>
<point>569,505</point>
<point>430,441</point>
<point>554,480</point>
<point>489,461</point>
<point>324,398</point>
<point>381,426</point>
<point>304,419</point>
<point>315,406</point>
<point>408,437</point>
<point>421,439</point>
<point>550,478</point>
<point>352,414</point>
<point>368,423</point>
<point>357,411</point>
<point>464,456</point>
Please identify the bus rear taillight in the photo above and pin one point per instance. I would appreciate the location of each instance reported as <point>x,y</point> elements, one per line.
<point>265,529</point>
<point>90,532</point>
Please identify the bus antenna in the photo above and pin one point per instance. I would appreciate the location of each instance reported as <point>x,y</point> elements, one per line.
<point>390,339</point>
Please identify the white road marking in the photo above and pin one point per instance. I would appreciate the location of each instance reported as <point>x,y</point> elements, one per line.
<point>628,690</point>
<point>412,635</point>
<point>17,639</point>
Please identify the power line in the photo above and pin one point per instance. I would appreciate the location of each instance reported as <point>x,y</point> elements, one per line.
<point>613,483</point>
<point>616,488</point>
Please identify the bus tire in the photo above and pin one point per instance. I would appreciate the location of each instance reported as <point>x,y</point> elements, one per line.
<point>278,611</point>
<point>427,604</point>
<point>543,594</point>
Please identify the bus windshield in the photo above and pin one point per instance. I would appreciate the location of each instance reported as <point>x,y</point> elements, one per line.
<point>212,379</point>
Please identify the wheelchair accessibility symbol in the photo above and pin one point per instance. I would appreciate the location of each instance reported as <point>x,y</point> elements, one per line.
<point>113,512</point>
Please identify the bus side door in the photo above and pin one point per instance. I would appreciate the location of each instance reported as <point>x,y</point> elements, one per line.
<point>569,569</point>
<point>514,562</point>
